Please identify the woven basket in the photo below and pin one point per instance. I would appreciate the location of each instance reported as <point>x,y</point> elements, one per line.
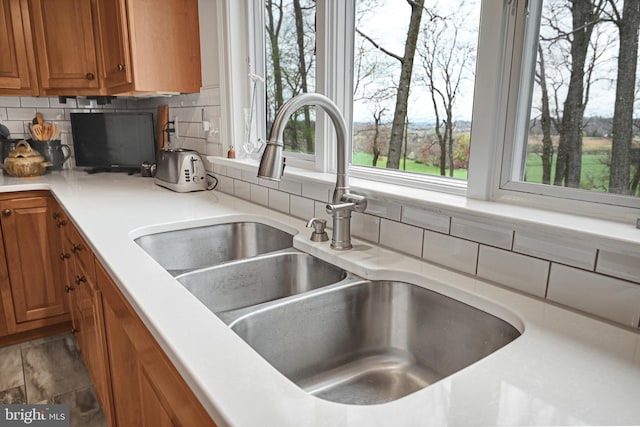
<point>24,161</point>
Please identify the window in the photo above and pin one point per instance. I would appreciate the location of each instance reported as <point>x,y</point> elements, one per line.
<point>290,49</point>
<point>542,129</point>
<point>579,123</point>
<point>413,85</point>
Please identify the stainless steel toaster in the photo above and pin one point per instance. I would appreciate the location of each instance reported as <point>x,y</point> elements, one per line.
<point>180,170</point>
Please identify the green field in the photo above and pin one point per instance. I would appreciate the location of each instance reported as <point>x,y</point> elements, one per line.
<point>365,159</point>
<point>594,174</point>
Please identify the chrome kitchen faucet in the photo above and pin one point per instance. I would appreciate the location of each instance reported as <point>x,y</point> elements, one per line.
<point>272,164</point>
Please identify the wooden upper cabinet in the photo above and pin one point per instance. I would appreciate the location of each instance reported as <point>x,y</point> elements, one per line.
<point>65,47</point>
<point>99,47</point>
<point>17,60</point>
<point>113,42</point>
<point>165,45</point>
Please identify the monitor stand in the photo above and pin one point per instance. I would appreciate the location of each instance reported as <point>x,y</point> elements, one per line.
<point>100,169</point>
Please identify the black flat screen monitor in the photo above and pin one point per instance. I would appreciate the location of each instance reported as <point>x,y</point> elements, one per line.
<point>113,142</point>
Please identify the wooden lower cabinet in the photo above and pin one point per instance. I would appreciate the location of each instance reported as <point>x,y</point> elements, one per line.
<point>147,389</point>
<point>30,290</point>
<point>87,315</point>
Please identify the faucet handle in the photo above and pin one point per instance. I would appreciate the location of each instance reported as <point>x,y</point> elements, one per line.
<point>319,233</point>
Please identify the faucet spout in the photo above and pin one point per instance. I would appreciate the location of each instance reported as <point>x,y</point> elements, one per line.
<point>271,163</point>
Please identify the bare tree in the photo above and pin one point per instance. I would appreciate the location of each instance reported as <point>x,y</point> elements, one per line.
<point>545,119</point>
<point>628,23</point>
<point>273,27</point>
<point>445,57</point>
<point>585,15</point>
<point>302,68</point>
<point>404,83</point>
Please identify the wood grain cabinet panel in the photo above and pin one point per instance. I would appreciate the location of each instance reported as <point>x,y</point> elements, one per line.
<point>17,60</point>
<point>147,389</point>
<point>65,46</point>
<point>34,292</point>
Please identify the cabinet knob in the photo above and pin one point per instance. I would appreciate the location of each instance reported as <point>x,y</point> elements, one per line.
<point>61,223</point>
<point>90,76</point>
<point>6,212</point>
<point>56,215</point>
<point>68,288</point>
<point>64,256</point>
<point>80,279</point>
<point>121,67</point>
<point>75,330</point>
<point>76,248</point>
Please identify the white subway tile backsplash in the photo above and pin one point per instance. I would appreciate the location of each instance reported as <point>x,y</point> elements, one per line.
<point>384,209</point>
<point>225,184</point>
<point>3,114</point>
<point>242,189</point>
<point>450,251</point>
<point>366,227</point>
<point>516,271</point>
<point>483,231</point>
<point>234,172</point>
<point>402,237</point>
<point>290,186</point>
<point>219,169</point>
<point>301,207</point>
<point>268,183</point>
<point>603,296</point>
<point>425,218</point>
<point>21,113</point>
<point>259,195</point>
<point>620,264</point>
<point>553,247</point>
<point>279,200</point>
<point>317,191</point>
<point>249,176</point>
<point>28,102</point>
<point>10,101</point>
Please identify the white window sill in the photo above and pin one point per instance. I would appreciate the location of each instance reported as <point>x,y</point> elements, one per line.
<point>587,228</point>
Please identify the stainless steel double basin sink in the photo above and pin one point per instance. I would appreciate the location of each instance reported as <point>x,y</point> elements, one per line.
<point>335,335</point>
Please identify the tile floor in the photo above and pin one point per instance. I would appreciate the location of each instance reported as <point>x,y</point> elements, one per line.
<point>50,370</point>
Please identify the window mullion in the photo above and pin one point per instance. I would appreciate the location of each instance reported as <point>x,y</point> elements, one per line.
<point>497,50</point>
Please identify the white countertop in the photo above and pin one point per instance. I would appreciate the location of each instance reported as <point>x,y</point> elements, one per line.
<point>565,369</point>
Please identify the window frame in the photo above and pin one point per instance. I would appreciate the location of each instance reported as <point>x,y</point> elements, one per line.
<point>502,66</point>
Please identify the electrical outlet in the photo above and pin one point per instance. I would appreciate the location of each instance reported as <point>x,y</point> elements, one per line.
<point>176,131</point>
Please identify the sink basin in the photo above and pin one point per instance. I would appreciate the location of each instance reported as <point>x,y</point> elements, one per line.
<point>253,281</point>
<point>192,248</point>
<point>371,342</point>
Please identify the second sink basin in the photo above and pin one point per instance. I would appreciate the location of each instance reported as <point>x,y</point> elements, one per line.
<point>253,281</point>
<point>192,248</point>
<point>371,342</point>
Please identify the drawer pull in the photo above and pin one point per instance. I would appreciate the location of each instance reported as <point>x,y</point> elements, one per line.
<point>76,248</point>
<point>61,222</point>
<point>68,288</point>
<point>64,256</point>
<point>6,212</point>
<point>80,279</point>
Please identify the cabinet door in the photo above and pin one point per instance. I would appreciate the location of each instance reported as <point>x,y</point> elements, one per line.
<point>65,45</point>
<point>147,389</point>
<point>28,239</point>
<point>17,61</point>
<point>92,341</point>
<point>113,46</point>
